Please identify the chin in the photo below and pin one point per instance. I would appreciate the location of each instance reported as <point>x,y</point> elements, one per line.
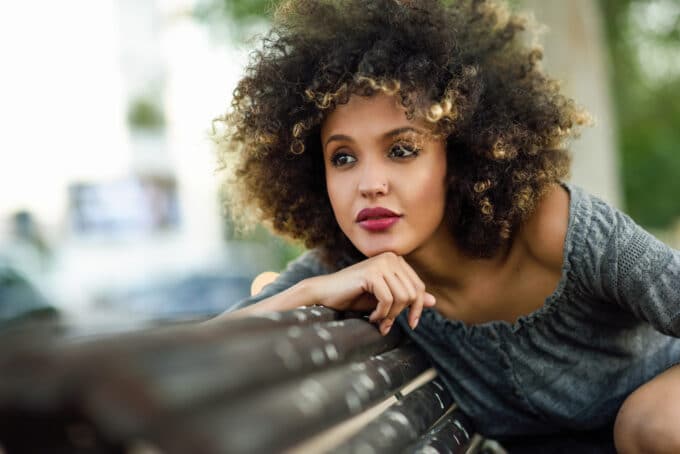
<point>373,251</point>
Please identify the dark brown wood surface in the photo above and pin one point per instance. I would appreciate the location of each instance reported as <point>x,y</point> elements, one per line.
<point>260,384</point>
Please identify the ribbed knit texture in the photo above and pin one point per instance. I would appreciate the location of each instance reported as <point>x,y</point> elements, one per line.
<point>607,328</point>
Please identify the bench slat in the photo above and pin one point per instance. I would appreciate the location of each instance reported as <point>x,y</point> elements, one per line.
<point>284,415</point>
<point>403,423</point>
<point>451,435</point>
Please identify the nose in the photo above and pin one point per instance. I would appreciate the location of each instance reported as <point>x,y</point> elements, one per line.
<point>374,180</point>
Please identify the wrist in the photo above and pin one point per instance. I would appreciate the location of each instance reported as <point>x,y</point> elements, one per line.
<point>307,291</point>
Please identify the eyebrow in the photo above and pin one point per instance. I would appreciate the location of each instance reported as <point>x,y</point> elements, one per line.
<point>392,133</point>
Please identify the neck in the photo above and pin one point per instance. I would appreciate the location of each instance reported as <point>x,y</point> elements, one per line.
<point>443,266</point>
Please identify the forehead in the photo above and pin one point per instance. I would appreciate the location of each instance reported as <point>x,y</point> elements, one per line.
<point>368,116</point>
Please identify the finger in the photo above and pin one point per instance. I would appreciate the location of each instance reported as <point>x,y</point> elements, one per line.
<point>421,299</point>
<point>410,272</point>
<point>415,310</point>
<point>415,301</point>
<point>386,325</point>
<point>429,300</point>
<point>403,294</point>
<point>400,292</point>
<point>382,292</point>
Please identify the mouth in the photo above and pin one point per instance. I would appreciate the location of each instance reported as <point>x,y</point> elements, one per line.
<point>377,219</point>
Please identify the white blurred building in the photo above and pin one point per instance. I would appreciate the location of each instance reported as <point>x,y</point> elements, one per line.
<point>74,70</point>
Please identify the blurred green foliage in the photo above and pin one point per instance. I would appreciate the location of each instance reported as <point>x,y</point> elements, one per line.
<point>643,37</point>
<point>282,250</point>
<point>145,114</point>
<point>238,10</point>
<point>644,43</point>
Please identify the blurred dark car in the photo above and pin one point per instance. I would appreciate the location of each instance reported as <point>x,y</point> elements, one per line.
<point>20,301</point>
<point>195,297</point>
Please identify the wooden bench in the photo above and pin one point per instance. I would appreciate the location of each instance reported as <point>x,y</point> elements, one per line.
<point>308,380</point>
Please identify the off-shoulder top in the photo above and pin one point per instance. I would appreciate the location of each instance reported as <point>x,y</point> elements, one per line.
<point>608,327</point>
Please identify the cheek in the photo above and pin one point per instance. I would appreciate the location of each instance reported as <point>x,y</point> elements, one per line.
<point>337,197</point>
<point>431,198</point>
<point>440,186</point>
<point>432,187</point>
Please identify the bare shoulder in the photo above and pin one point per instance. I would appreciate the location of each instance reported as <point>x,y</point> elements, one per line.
<point>543,234</point>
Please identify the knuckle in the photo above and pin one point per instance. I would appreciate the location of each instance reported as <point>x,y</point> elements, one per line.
<point>391,257</point>
<point>389,300</point>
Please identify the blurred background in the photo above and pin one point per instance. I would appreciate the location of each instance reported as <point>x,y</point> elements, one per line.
<point>109,202</point>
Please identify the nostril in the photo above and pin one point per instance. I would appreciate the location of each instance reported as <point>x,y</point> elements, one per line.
<point>381,187</point>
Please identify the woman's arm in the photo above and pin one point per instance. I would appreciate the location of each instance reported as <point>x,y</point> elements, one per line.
<point>296,296</point>
<point>622,262</point>
<point>288,291</point>
<point>385,284</point>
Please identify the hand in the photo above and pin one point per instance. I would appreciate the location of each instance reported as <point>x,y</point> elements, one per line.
<point>384,283</point>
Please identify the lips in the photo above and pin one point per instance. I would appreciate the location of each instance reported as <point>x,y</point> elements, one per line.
<point>375,213</point>
<point>377,219</point>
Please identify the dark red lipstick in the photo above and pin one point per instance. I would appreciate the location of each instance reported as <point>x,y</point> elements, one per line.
<point>377,219</point>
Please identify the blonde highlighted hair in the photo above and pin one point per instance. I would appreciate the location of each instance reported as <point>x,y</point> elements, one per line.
<point>462,66</point>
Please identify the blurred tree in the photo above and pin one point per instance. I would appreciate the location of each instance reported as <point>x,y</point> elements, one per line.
<point>237,9</point>
<point>576,55</point>
<point>145,113</point>
<point>644,42</point>
<point>233,19</point>
<point>643,39</point>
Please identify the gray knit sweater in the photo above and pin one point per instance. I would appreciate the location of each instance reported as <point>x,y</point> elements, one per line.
<point>607,328</point>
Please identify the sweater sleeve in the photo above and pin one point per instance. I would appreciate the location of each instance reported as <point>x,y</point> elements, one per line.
<point>307,265</point>
<point>625,264</point>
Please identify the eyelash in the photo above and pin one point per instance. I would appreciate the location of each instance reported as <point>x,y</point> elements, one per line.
<point>415,151</point>
<point>412,149</point>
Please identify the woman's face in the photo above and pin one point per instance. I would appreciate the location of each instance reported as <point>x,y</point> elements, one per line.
<point>376,159</point>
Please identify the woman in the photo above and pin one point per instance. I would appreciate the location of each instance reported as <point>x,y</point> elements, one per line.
<point>417,149</point>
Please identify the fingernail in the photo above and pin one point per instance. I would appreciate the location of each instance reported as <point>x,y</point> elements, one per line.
<point>386,328</point>
<point>416,322</point>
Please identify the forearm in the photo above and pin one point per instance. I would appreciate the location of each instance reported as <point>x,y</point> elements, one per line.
<point>300,294</point>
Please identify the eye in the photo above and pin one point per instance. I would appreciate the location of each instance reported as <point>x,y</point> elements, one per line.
<point>404,150</point>
<point>340,159</point>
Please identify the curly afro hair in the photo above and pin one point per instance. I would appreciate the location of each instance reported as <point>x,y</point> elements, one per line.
<point>463,66</point>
